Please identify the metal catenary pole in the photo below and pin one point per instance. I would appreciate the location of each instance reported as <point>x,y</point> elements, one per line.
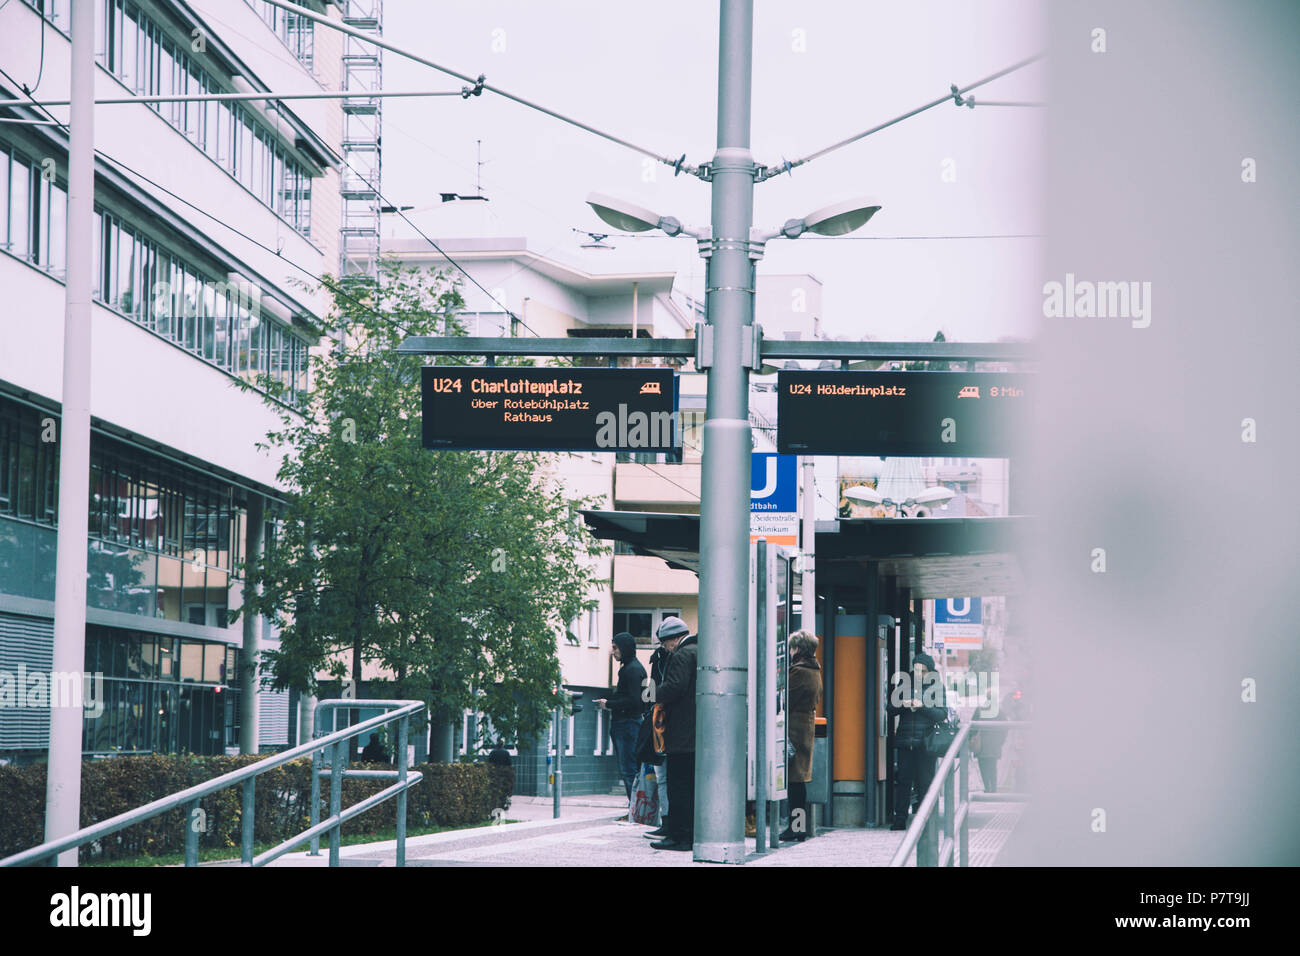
<point>248,676</point>
<point>63,780</point>
<point>760,698</point>
<point>727,443</point>
<point>808,560</point>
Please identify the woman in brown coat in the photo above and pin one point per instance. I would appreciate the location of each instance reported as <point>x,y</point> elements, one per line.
<point>805,692</point>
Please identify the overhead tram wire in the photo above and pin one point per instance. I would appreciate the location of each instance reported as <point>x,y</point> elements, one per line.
<point>478,84</point>
<point>1014,235</point>
<point>423,235</point>
<point>268,96</point>
<point>261,245</point>
<point>953,95</point>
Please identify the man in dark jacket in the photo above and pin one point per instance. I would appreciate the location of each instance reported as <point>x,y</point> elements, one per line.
<point>919,703</point>
<point>625,706</point>
<point>677,695</point>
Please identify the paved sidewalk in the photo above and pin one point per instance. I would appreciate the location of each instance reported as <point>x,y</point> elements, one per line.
<point>587,834</point>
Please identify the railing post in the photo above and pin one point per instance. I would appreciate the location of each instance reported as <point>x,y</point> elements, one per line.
<point>401,796</point>
<point>191,833</point>
<point>949,813</point>
<point>246,821</point>
<point>963,791</point>
<point>316,757</point>
<point>336,796</point>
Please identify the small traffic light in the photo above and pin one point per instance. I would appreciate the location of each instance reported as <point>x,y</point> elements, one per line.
<point>574,697</point>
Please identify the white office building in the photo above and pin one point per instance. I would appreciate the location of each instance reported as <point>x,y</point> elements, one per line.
<point>207,214</point>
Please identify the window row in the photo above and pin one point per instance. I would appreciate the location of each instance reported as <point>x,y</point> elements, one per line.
<point>142,717</point>
<point>33,213</point>
<point>29,464</point>
<point>221,322</point>
<point>151,504</point>
<point>642,623</point>
<point>141,54</point>
<point>117,653</point>
<point>136,500</point>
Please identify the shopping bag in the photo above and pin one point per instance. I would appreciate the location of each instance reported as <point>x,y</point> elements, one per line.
<point>645,798</point>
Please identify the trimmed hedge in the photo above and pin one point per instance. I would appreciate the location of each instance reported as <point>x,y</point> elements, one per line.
<point>448,795</point>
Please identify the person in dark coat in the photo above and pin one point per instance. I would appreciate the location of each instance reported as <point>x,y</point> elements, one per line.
<point>374,751</point>
<point>499,756</point>
<point>804,685</point>
<point>986,744</point>
<point>625,706</point>
<point>677,695</point>
<point>919,703</point>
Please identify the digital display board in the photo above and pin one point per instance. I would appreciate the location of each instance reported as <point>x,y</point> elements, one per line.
<point>549,409</point>
<point>902,414</point>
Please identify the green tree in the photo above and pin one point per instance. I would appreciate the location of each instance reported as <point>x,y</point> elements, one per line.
<point>452,570</point>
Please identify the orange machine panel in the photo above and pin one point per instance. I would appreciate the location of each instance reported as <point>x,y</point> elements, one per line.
<point>849,718</point>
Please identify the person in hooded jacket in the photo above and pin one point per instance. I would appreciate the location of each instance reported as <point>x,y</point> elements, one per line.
<point>805,692</point>
<point>625,707</point>
<point>924,706</point>
<point>677,695</point>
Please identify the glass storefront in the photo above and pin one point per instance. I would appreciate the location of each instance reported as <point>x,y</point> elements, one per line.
<point>163,538</point>
<point>160,694</point>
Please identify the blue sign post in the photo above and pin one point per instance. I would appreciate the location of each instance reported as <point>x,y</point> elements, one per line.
<point>774,498</point>
<point>958,624</point>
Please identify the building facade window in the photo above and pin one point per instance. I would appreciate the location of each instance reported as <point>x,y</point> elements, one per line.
<point>139,52</point>
<point>642,623</point>
<point>160,694</point>
<point>294,31</point>
<point>163,542</point>
<point>219,321</point>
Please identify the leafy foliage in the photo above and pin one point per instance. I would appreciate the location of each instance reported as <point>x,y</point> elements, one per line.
<point>455,571</point>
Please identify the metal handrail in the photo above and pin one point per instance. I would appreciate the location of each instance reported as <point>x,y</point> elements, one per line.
<point>337,741</point>
<point>952,846</point>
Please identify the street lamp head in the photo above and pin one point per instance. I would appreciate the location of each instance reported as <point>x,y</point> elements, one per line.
<point>863,494</point>
<point>840,218</point>
<point>628,216</point>
<point>934,496</point>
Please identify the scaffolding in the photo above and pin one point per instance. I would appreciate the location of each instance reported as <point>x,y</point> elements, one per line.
<point>362,122</point>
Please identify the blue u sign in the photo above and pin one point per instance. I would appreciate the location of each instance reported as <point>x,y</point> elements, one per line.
<point>961,610</point>
<point>773,482</point>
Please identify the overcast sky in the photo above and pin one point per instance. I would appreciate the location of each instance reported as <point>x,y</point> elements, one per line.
<point>648,73</point>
